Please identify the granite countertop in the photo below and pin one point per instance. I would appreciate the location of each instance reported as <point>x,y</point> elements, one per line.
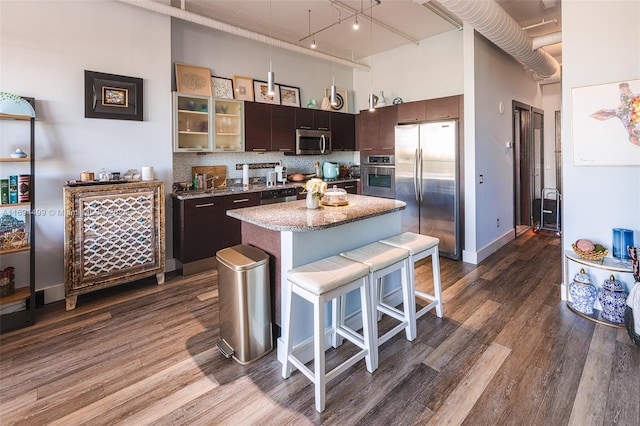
<point>294,216</point>
<point>230,190</point>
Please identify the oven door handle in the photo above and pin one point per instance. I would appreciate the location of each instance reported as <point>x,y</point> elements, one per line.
<point>415,175</point>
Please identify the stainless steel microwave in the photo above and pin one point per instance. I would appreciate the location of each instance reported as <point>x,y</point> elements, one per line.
<point>313,142</point>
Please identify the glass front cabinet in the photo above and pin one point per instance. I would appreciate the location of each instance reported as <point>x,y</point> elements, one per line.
<point>191,123</point>
<point>205,124</point>
<point>229,125</point>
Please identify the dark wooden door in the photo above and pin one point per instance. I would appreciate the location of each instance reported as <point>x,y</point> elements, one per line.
<point>198,233</point>
<point>283,128</point>
<point>257,126</point>
<point>343,132</point>
<point>387,120</point>
<point>231,227</point>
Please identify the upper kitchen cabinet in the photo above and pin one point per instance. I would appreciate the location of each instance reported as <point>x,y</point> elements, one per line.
<point>443,108</point>
<point>257,118</point>
<point>283,128</point>
<point>229,125</point>
<point>412,112</point>
<point>376,130</point>
<point>343,132</point>
<point>312,119</point>
<point>428,110</point>
<point>191,123</point>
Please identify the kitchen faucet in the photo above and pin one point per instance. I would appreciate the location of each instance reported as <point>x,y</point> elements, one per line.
<point>207,179</point>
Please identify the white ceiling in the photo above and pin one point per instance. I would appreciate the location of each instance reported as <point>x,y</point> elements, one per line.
<point>396,22</point>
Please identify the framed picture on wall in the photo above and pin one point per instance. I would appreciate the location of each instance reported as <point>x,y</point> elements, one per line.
<point>341,96</point>
<point>290,96</point>
<point>605,127</point>
<point>193,80</point>
<point>261,95</point>
<point>222,87</point>
<point>112,96</point>
<point>243,88</point>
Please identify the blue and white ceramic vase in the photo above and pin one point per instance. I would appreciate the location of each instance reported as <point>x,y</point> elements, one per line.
<point>583,293</point>
<point>613,299</point>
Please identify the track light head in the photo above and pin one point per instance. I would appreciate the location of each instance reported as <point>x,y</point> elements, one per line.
<point>313,43</point>
<point>356,24</point>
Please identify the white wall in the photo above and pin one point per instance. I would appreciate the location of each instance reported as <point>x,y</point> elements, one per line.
<point>597,199</point>
<point>44,49</point>
<point>432,69</point>
<point>551,102</point>
<point>228,55</point>
<point>498,78</point>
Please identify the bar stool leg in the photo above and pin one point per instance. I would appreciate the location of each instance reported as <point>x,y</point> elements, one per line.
<point>288,333</point>
<point>318,349</point>
<point>367,330</point>
<point>435,264</point>
<point>408,297</point>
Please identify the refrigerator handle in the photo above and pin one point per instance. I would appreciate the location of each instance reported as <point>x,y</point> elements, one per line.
<point>415,175</point>
<point>420,176</point>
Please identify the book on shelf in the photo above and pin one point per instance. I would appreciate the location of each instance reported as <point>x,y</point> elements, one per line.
<point>23,188</point>
<point>13,189</point>
<point>4,191</point>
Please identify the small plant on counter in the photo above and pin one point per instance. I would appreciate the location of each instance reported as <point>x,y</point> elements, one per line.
<point>316,187</point>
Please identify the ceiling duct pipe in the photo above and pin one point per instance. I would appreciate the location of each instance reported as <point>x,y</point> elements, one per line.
<point>546,40</point>
<point>490,20</point>
<point>185,15</point>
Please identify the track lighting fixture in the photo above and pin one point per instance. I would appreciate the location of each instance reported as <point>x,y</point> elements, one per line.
<point>356,25</point>
<point>313,43</point>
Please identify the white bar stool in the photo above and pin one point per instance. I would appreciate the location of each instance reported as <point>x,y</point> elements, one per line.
<point>319,282</point>
<point>382,260</point>
<point>419,247</point>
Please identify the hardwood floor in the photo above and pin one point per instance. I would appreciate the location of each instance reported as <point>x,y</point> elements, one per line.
<point>507,352</point>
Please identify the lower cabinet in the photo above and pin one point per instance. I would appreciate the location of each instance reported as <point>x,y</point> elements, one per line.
<point>201,226</point>
<point>231,230</point>
<point>197,226</point>
<point>114,233</point>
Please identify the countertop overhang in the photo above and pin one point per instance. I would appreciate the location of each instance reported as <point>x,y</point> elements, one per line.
<point>296,217</point>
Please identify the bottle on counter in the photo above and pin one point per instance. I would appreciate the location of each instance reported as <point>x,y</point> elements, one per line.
<point>196,181</point>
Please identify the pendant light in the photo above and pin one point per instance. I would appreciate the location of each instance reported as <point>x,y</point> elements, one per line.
<point>333,93</point>
<point>373,99</point>
<point>271,77</point>
<point>356,24</point>
<point>313,38</point>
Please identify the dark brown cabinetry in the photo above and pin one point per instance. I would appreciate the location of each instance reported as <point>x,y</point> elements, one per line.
<point>376,130</point>
<point>343,132</point>
<point>443,108</point>
<point>313,119</point>
<point>432,109</point>
<point>350,187</point>
<point>257,126</point>
<point>283,122</point>
<point>273,127</point>
<point>412,112</point>
<point>197,228</point>
<point>269,127</point>
<point>231,229</point>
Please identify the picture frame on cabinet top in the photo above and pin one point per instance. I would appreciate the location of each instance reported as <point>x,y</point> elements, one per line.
<point>342,99</point>
<point>290,96</point>
<point>222,87</point>
<point>260,89</point>
<point>193,80</point>
<point>243,88</point>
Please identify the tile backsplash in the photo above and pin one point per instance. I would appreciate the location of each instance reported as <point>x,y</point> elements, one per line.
<point>259,163</point>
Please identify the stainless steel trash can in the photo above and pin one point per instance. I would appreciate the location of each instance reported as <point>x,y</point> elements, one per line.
<point>245,303</point>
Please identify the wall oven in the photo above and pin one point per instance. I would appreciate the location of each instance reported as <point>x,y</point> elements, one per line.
<point>378,175</point>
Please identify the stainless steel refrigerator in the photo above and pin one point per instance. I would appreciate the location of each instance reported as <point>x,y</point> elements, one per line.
<point>427,179</point>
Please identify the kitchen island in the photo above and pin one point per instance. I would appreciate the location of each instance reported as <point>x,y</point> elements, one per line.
<point>293,235</point>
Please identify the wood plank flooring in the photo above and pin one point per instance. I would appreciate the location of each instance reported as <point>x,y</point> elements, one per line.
<point>507,352</point>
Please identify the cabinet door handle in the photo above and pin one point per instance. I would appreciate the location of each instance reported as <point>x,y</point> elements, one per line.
<point>323,128</point>
<point>366,149</point>
<point>285,149</point>
<point>242,200</point>
<point>305,127</point>
<point>349,186</point>
<point>204,205</point>
<point>442,116</point>
<point>259,149</point>
<point>387,147</point>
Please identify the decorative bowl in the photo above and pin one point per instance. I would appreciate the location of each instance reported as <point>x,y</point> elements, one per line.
<point>591,255</point>
<point>18,153</point>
